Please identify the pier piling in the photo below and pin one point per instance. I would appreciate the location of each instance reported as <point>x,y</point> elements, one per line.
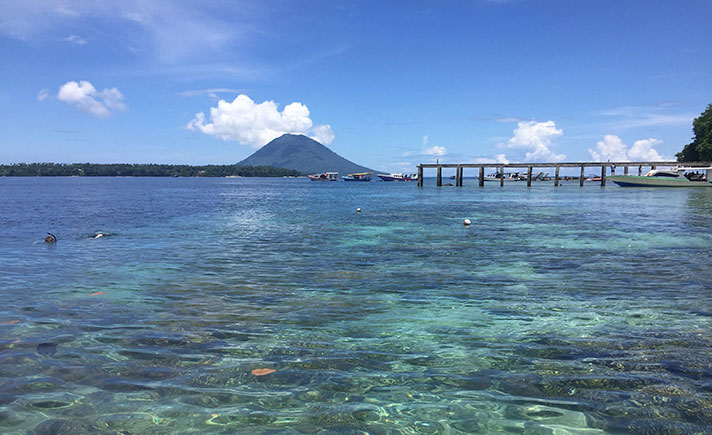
<point>440,176</point>
<point>482,176</point>
<point>603,175</point>
<point>529,177</point>
<point>556,178</point>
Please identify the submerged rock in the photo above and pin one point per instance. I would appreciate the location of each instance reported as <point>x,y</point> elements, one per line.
<point>47,348</point>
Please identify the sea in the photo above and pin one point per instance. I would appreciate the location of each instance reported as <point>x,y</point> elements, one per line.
<point>262,305</point>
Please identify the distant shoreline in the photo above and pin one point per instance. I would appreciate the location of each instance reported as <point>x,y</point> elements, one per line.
<point>140,170</point>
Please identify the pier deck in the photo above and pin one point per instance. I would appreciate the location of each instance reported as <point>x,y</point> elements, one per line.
<point>500,167</point>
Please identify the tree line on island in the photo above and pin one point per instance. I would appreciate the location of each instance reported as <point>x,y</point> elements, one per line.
<point>700,149</point>
<point>286,156</point>
<point>140,170</point>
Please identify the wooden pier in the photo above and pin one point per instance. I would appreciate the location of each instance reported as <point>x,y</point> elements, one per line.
<point>500,167</point>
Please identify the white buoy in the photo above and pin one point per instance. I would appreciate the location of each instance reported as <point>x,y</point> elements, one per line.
<point>99,235</point>
<point>467,222</point>
<point>358,210</point>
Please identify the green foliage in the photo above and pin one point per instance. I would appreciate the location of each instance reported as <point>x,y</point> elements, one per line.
<point>700,150</point>
<point>139,170</point>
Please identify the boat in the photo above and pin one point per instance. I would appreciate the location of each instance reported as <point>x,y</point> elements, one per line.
<point>541,176</point>
<point>358,176</point>
<point>398,177</point>
<point>508,176</point>
<point>676,177</point>
<point>326,176</point>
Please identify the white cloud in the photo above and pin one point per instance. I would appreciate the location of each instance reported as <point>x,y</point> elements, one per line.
<point>42,95</point>
<point>642,150</point>
<point>646,116</point>
<point>252,124</point>
<point>612,148</point>
<point>162,29</point>
<point>436,151</point>
<point>499,158</point>
<point>74,39</point>
<point>86,98</point>
<point>653,121</point>
<point>323,134</point>
<point>536,137</point>
<point>211,92</point>
<point>508,119</point>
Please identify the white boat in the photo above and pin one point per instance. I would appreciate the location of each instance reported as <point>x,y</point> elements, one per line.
<point>326,176</point>
<point>398,177</point>
<point>676,177</point>
<point>508,176</point>
<point>359,176</point>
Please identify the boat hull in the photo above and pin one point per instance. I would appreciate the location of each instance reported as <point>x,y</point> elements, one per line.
<point>327,176</point>
<point>361,176</point>
<point>641,181</point>
<point>395,178</point>
<point>507,180</point>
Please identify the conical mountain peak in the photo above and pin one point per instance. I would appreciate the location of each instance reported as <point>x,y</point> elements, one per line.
<point>301,153</point>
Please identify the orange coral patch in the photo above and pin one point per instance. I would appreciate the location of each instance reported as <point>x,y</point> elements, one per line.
<point>9,322</point>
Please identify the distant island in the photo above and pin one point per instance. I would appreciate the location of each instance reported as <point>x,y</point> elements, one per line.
<point>289,155</point>
<point>140,170</point>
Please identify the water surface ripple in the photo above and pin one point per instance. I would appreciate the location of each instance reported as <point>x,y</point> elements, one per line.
<point>560,310</point>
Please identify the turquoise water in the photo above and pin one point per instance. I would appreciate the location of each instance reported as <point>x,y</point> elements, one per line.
<point>560,310</point>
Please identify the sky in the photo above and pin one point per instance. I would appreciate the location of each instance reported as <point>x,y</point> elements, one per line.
<point>386,84</point>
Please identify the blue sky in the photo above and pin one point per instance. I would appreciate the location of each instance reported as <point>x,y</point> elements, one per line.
<point>387,84</point>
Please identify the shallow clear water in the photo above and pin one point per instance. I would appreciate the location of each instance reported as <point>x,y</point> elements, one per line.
<point>560,310</point>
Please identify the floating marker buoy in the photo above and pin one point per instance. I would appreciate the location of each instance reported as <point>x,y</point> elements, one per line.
<point>358,210</point>
<point>467,222</point>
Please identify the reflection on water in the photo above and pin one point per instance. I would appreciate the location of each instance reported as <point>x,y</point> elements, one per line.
<point>558,311</point>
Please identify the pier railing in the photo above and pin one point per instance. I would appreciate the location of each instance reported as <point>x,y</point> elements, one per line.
<point>500,167</point>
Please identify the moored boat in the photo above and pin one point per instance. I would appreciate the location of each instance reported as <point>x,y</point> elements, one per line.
<point>398,177</point>
<point>508,176</point>
<point>359,176</point>
<point>326,176</point>
<point>676,177</point>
